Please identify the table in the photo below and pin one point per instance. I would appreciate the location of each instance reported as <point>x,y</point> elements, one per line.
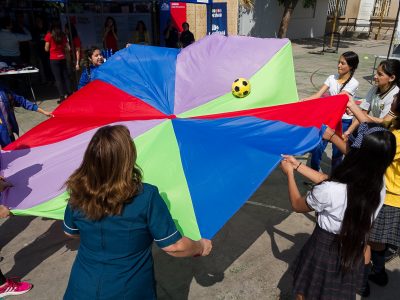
<point>380,57</point>
<point>25,71</point>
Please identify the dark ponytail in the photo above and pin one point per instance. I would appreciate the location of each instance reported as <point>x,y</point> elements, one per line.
<point>362,171</point>
<point>352,60</point>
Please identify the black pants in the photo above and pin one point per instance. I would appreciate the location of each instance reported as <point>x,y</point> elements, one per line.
<point>60,72</point>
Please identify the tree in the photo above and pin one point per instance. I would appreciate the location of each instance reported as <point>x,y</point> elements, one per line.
<point>289,6</point>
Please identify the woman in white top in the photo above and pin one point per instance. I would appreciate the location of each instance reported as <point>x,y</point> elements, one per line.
<point>342,82</point>
<point>331,262</point>
<point>380,97</point>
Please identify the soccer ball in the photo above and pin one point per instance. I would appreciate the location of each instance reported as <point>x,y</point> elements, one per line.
<point>241,88</point>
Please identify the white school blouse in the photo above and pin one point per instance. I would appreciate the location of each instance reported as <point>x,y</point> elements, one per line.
<point>329,200</point>
<point>334,88</point>
<point>379,106</point>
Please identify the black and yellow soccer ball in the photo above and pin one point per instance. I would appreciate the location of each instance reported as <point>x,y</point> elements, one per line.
<point>241,87</point>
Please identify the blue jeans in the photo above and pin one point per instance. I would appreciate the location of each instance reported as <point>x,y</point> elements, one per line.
<point>337,156</point>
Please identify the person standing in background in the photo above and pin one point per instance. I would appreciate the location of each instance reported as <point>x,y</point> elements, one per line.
<point>56,43</point>
<point>110,37</point>
<point>141,35</point>
<point>9,45</point>
<point>171,35</point>
<point>187,36</point>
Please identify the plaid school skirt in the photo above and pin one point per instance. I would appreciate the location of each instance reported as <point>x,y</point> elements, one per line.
<point>316,271</point>
<point>386,227</point>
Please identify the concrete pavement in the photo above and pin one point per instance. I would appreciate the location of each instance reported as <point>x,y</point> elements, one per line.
<point>251,253</point>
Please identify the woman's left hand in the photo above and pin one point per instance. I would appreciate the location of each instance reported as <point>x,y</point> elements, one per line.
<point>77,67</point>
<point>287,167</point>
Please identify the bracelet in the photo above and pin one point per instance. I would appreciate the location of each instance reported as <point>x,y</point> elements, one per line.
<point>298,166</point>
<point>331,136</point>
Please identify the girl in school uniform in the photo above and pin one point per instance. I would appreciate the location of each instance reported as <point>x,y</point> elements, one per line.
<point>386,228</point>
<point>340,83</point>
<point>380,97</point>
<point>331,262</point>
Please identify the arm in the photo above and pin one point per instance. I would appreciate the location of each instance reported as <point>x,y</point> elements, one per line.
<point>165,234</point>
<point>318,94</point>
<point>331,136</point>
<point>298,202</point>
<point>78,58</point>
<point>311,174</point>
<point>360,116</point>
<point>47,47</point>
<point>77,45</point>
<point>21,101</point>
<point>186,247</point>
<point>44,112</point>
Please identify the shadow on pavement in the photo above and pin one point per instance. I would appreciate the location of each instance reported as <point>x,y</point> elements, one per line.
<point>259,216</point>
<point>44,246</point>
<point>12,227</point>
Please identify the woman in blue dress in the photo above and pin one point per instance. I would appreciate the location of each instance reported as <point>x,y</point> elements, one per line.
<point>117,218</point>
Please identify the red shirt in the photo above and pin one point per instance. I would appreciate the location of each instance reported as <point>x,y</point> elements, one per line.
<point>57,51</point>
<point>111,42</point>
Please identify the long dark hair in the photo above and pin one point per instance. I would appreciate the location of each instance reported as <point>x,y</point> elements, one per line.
<point>140,22</point>
<point>114,23</point>
<point>88,55</point>
<point>56,32</point>
<point>108,177</point>
<point>391,67</point>
<point>362,171</point>
<point>352,60</point>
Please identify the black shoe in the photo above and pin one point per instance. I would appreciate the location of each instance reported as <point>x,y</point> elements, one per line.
<point>380,278</point>
<point>364,291</point>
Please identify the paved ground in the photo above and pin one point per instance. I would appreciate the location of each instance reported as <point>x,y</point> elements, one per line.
<point>251,253</point>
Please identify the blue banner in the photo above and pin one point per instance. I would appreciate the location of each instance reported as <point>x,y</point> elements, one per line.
<point>164,19</point>
<point>217,19</point>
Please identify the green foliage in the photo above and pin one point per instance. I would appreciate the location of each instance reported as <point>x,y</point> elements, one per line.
<point>306,3</point>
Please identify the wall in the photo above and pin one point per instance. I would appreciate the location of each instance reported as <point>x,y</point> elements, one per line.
<point>265,19</point>
<point>197,18</point>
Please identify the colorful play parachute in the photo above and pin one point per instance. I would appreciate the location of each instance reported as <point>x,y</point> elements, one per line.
<point>206,150</point>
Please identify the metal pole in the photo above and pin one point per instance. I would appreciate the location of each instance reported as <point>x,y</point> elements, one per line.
<point>383,6</point>
<point>394,31</point>
<point>334,23</point>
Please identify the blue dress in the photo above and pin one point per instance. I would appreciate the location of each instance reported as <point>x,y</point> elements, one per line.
<point>114,258</point>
